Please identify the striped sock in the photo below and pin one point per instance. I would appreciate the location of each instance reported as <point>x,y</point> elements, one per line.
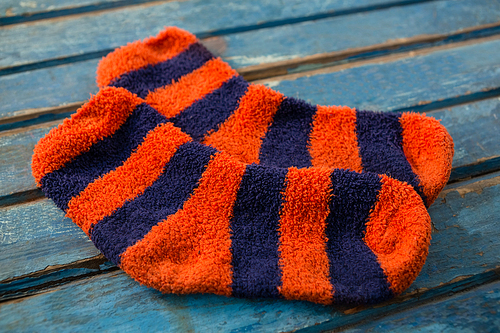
<point>207,99</point>
<point>183,217</point>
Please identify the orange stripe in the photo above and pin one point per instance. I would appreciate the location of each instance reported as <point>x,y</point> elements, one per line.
<point>399,233</point>
<point>303,259</point>
<point>173,99</point>
<point>242,133</point>
<point>429,149</point>
<point>333,142</point>
<point>140,170</point>
<point>189,252</point>
<point>98,118</point>
<point>166,45</point>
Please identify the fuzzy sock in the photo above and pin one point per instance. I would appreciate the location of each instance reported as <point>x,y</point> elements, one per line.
<point>183,217</point>
<point>207,99</point>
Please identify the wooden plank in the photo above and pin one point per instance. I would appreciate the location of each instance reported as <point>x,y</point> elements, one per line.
<point>475,128</point>
<point>36,235</point>
<point>10,8</point>
<point>472,68</point>
<point>48,87</point>
<point>15,159</point>
<point>399,82</point>
<point>14,12</point>
<point>330,35</point>
<point>473,311</point>
<point>87,33</point>
<point>464,244</point>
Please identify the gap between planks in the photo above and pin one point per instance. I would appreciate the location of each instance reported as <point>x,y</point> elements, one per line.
<point>378,60</point>
<point>276,72</point>
<point>363,314</point>
<point>62,14</point>
<point>283,67</point>
<point>71,12</point>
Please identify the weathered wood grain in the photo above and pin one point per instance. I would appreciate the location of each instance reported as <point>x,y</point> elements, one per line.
<point>464,244</point>
<point>473,311</point>
<point>409,81</point>
<point>15,159</point>
<point>86,33</point>
<point>36,235</point>
<point>14,12</point>
<point>393,85</point>
<point>10,8</point>
<point>355,31</point>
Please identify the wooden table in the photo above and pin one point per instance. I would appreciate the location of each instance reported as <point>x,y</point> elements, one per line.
<point>438,57</point>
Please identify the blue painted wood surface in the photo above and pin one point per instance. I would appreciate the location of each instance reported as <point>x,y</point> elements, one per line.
<point>474,311</point>
<point>36,235</point>
<point>73,82</point>
<point>17,8</point>
<point>27,43</point>
<point>404,83</point>
<point>357,30</point>
<point>15,159</point>
<point>25,8</point>
<point>400,84</point>
<point>464,243</point>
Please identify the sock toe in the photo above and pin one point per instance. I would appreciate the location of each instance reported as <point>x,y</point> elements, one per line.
<point>399,233</point>
<point>428,148</point>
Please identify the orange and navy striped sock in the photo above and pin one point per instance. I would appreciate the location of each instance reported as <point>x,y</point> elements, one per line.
<point>207,99</point>
<point>184,217</point>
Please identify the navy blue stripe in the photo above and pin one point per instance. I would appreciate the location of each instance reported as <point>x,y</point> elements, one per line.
<point>149,78</point>
<point>254,237</point>
<point>286,142</point>
<point>106,155</point>
<point>381,147</point>
<point>355,274</point>
<point>130,223</point>
<point>209,112</point>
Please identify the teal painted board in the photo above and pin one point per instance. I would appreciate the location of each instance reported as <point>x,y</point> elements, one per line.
<point>48,87</point>
<point>403,83</point>
<point>464,217</point>
<point>474,311</point>
<point>17,8</point>
<point>116,303</point>
<point>14,12</point>
<point>86,33</point>
<point>475,128</point>
<point>357,30</point>
<point>465,243</point>
<point>15,160</point>
<point>36,235</point>
<point>388,86</point>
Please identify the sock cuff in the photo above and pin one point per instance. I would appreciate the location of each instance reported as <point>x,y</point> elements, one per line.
<point>167,44</point>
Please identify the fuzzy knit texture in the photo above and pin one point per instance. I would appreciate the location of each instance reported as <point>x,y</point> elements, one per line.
<point>208,100</point>
<point>184,217</point>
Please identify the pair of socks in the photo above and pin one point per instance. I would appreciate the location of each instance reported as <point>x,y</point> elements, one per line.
<point>193,180</point>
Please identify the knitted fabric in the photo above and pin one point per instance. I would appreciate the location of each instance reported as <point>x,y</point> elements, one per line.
<point>184,217</point>
<point>208,100</point>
